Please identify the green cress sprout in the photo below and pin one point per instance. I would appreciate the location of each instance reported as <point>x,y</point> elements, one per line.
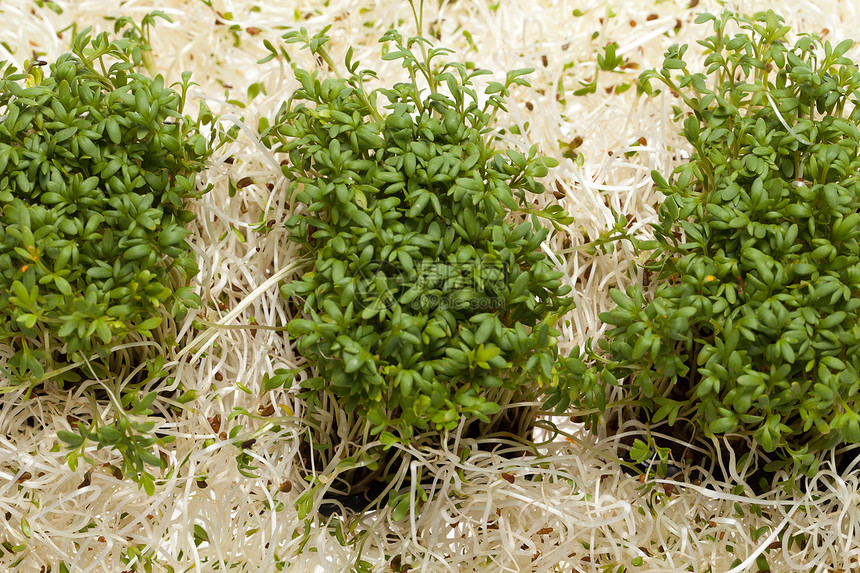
<point>754,329</point>
<point>96,163</point>
<point>422,303</point>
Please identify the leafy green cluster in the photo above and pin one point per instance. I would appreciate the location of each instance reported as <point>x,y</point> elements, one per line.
<point>422,303</point>
<point>96,163</point>
<point>755,325</point>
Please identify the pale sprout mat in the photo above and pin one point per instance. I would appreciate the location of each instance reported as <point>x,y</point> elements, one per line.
<point>583,513</point>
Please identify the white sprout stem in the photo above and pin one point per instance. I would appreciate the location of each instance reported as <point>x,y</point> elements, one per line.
<point>764,544</point>
<point>266,154</point>
<point>783,122</point>
<point>255,138</point>
<point>205,338</point>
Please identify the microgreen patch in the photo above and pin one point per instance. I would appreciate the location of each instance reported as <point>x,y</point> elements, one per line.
<point>754,328</point>
<point>96,163</point>
<point>423,304</point>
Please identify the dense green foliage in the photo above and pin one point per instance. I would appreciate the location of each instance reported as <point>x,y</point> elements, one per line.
<point>422,302</point>
<point>96,163</point>
<point>754,328</point>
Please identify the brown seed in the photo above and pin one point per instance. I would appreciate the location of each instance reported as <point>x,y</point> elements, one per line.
<point>267,410</point>
<point>201,483</point>
<point>8,515</point>
<point>248,443</point>
<point>544,530</point>
<point>229,160</point>
<point>286,487</point>
<point>253,30</point>
<point>86,481</point>
<point>270,186</point>
<point>642,141</point>
<point>222,436</point>
<point>102,538</point>
<point>508,477</point>
<point>530,106</point>
<point>219,376</point>
<point>650,17</point>
<point>215,423</point>
<point>116,472</point>
<point>244,182</point>
<point>544,60</point>
<point>632,23</point>
<point>24,477</point>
